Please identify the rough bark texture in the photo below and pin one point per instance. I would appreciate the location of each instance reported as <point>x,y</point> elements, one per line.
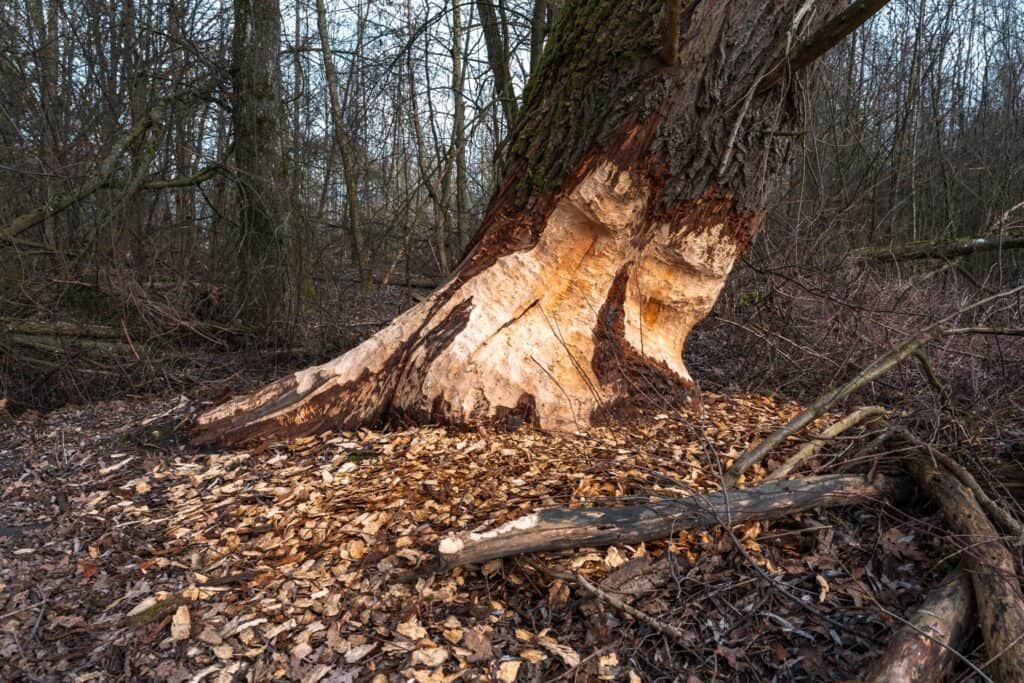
<point>991,567</point>
<point>610,238</point>
<point>259,157</point>
<point>563,528</point>
<point>924,649</point>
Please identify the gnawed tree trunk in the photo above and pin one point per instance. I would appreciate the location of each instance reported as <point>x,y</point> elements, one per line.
<point>630,190</point>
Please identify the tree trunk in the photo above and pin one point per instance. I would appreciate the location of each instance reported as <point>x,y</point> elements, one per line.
<point>259,159</point>
<point>630,190</point>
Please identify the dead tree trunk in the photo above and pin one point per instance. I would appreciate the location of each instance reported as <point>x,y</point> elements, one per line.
<point>631,188</point>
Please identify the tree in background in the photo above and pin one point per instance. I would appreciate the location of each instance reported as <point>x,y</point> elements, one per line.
<point>260,171</point>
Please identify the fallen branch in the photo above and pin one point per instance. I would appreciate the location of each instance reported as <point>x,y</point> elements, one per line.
<point>991,567</point>
<point>928,645</point>
<point>564,528</point>
<point>58,328</point>
<point>97,180</point>
<point>997,512</point>
<point>942,249</point>
<point>811,447</point>
<point>876,369</point>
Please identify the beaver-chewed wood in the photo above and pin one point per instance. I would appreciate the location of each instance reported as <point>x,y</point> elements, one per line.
<point>630,189</point>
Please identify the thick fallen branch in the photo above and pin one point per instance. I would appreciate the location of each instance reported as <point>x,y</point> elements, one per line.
<point>59,336</point>
<point>811,447</point>
<point>998,513</point>
<point>58,328</point>
<point>563,528</point>
<point>927,646</point>
<point>991,567</point>
<point>879,367</point>
<point>942,249</point>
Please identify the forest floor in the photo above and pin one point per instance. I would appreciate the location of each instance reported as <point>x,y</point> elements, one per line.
<point>125,554</point>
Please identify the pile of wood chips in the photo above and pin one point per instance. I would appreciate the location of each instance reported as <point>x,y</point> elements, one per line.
<point>125,555</point>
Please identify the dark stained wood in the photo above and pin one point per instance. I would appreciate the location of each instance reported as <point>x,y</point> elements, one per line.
<point>564,528</point>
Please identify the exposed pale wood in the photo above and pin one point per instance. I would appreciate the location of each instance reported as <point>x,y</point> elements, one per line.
<point>564,528</point>
<point>811,447</point>
<point>611,235</point>
<point>926,648</point>
<point>991,567</point>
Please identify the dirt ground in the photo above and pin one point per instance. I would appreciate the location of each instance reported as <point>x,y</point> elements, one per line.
<point>125,554</point>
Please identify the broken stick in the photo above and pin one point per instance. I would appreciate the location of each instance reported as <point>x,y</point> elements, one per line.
<point>811,447</point>
<point>564,528</point>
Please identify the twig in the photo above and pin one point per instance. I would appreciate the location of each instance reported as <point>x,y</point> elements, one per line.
<point>811,447</point>
<point>658,625</point>
<point>876,369</point>
<point>932,378</point>
<point>34,633</point>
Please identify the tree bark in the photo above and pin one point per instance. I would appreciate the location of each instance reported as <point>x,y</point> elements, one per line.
<point>991,567</point>
<point>924,649</point>
<point>259,159</point>
<point>630,189</point>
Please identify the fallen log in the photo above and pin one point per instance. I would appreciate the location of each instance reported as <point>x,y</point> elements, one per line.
<point>928,645</point>
<point>991,567</point>
<point>564,528</point>
<point>942,249</point>
<point>813,446</point>
<point>59,328</point>
<point>1000,515</point>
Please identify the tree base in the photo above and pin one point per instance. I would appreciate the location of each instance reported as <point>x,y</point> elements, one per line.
<point>576,329</point>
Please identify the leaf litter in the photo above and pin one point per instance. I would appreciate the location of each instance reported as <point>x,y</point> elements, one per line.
<point>314,561</point>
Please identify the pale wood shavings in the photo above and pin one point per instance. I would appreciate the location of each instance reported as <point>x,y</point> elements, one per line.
<point>315,561</point>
